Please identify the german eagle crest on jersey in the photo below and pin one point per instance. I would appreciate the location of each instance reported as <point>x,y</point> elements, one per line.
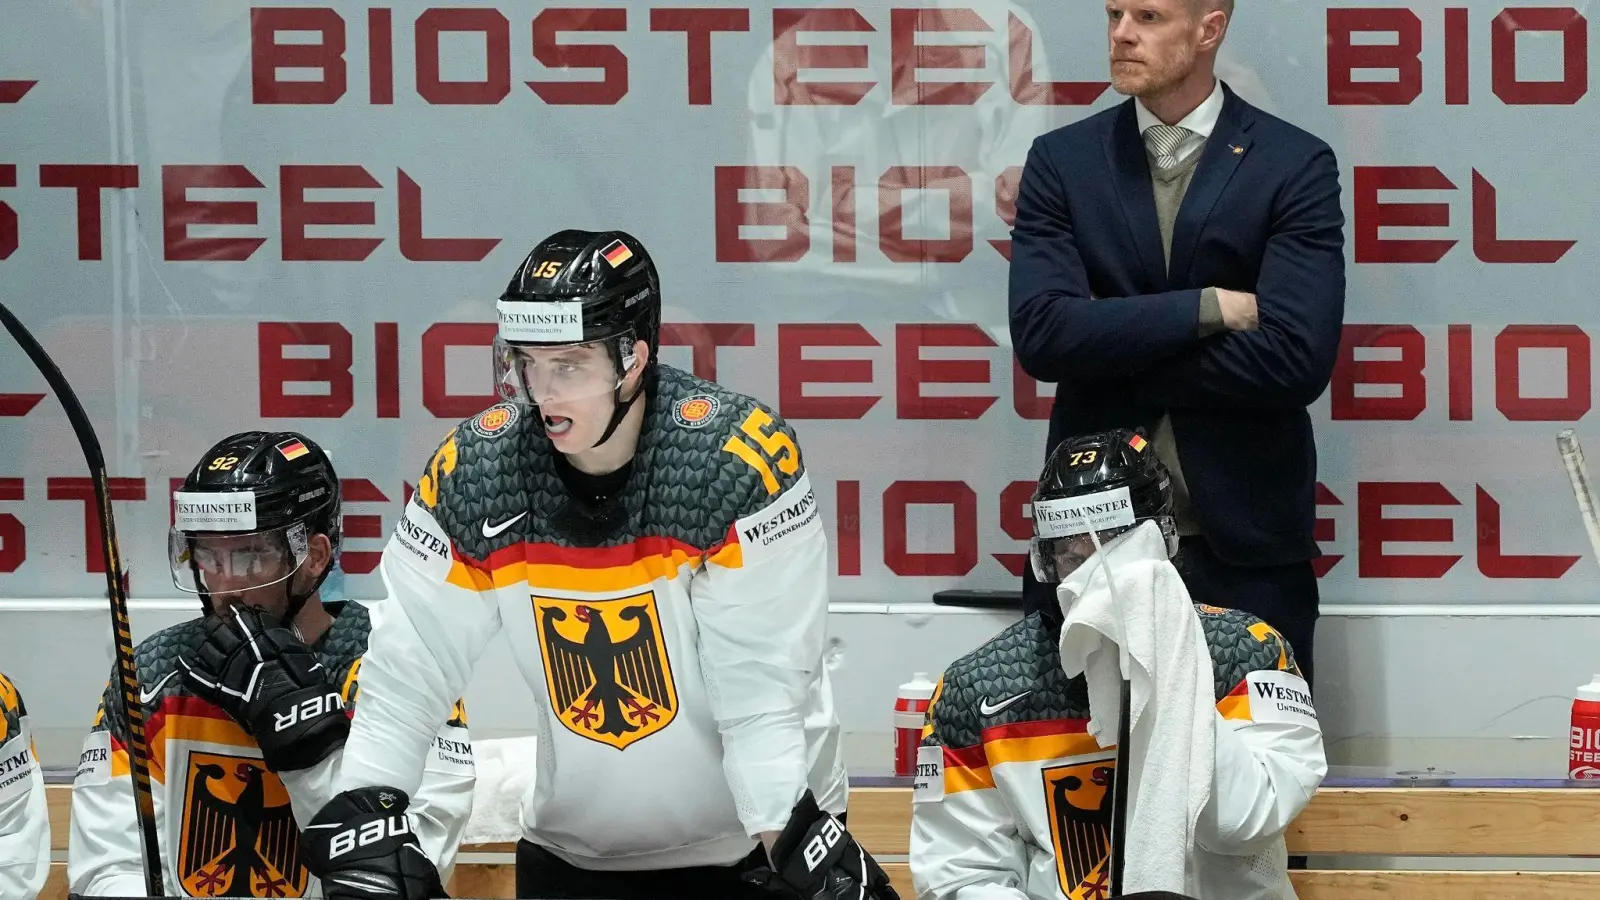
<point>239,836</point>
<point>606,666</point>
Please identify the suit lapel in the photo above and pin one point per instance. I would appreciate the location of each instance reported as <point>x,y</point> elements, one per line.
<point>1227,146</point>
<point>1130,172</point>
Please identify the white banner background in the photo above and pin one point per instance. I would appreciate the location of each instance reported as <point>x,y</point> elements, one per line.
<point>170,353</point>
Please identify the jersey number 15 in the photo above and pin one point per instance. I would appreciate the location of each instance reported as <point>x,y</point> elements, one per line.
<point>776,446</point>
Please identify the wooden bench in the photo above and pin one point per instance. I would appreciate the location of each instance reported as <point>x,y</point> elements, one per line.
<point>1460,822</point>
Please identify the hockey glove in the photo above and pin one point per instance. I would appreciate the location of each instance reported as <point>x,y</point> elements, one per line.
<point>814,857</point>
<point>362,847</point>
<point>271,684</point>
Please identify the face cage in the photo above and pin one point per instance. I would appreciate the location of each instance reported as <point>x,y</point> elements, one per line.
<point>245,561</point>
<point>1055,559</point>
<point>513,361</point>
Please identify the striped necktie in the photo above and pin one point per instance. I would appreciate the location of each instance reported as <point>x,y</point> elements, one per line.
<point>1163,141</point>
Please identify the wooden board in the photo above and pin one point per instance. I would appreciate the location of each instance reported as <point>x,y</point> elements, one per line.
<point>1537,822</point>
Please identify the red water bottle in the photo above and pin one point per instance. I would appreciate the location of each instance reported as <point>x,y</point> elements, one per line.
<point>1583,754</point>
<point>910,708</point>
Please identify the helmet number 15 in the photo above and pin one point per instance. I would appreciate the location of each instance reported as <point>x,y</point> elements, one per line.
<point>777,447</point>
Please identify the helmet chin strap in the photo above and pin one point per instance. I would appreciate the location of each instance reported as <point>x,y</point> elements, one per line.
<point>620,407</point>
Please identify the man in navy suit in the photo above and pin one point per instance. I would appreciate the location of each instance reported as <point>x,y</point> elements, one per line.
<point>1178,265</point>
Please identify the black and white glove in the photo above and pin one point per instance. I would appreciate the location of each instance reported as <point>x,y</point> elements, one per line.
<point>271,684</point>
<point>815,857</point>
<point>362,847</point>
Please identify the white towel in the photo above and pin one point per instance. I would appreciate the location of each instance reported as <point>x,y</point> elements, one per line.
<point>1154,637</point>
<point>504,777</point>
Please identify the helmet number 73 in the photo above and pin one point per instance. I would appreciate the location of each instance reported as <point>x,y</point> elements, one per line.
<point>776,446</point>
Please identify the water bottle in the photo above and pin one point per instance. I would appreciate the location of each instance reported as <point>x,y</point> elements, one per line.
<point>1583,754</point>
<point>910,708</point>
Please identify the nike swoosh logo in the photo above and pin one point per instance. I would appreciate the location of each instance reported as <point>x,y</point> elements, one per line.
<point>990,709</point>
<point>145,696</point>
<point>490,531</point>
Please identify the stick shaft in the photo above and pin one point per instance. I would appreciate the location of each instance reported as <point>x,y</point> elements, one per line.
<point>128,676</point>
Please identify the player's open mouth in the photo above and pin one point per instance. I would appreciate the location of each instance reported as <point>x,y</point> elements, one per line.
<point>557,425</point>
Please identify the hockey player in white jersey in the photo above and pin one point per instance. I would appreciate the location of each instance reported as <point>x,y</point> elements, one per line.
<point>1018,805</point>
<point>24,817</point>
<point>247,706</point>
<point>649,544</point>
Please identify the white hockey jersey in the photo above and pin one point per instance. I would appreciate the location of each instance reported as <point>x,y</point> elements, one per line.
<point>24,817</point>
<point>674,644</point>
<point>1015,802</point>
<point>227,826</point>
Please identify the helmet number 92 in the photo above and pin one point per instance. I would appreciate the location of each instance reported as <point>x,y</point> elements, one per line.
<point>223,464</point>
<point>547,269</point>
<point>777,446</point>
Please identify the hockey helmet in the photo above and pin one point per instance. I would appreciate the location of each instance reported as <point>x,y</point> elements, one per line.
<point>576,288</point>
<point>1106,483</point>
<point>245,515</point>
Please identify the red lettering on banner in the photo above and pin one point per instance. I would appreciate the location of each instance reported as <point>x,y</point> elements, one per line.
<point>1024,90</point>
<point>792,212</point>
<point>417,247</point>
<point>912,371</point>
<point>18,405</point>
<point>82,489</point>
<point>1459,356</point>
<point>908,56</point>
<point>178,212</point>
<point>733,213</point>
<point>789,56</point>
<point>278,371</point>
<point>10,232</point>
<point>1005,205</point>
<point>1025,396</point>
<point>1323,531</point>
<point>13,536</point>
<point>386,366</point>
<point>1374,529</point>
<point>360,490</point>
<point>1015,523</point>
<point>1489,247</point>
<point>697,26</point>
<point>844,214</point>
<point>795,371</point>
<point>963,503</point>
<point>956,184</point>
<point>495,30</point>
<point>380,56</point>
<point>549,24</point>
<point>436,396</point>
<point>298,212</point>
<point>1508,398</point>
<point>267,55</point>
<point>1404,373</point>
<point>703,339</point>
<point>1371,215</point>
<point>12,90</point>
<point>1403,56</point>
<point>89,181</point>
<point>848,527</point>
<point>1496,563</point>
<point>1574,81</point>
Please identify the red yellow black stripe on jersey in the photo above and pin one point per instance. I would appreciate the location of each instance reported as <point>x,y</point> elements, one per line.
<point>589,569</point>
<point>969,768</point>
<point>187,719</point>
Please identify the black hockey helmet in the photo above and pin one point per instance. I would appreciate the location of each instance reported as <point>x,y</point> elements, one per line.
<point>244,516</point>
<point>578,288</point>
<point>1106,483</point>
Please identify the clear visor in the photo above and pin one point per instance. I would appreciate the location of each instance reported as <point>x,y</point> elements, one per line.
<point>232,563</point>
<point>1065,531</point>
<point>557,374</point>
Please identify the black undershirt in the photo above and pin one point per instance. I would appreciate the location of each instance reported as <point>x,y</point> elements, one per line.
<point>592,489</point>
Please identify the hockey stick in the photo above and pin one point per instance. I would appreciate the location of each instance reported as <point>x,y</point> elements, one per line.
<point>133,712</point>
<point>1578,474</point>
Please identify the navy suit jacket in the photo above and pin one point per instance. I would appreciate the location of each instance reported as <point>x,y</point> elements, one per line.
<point>1093,309</point>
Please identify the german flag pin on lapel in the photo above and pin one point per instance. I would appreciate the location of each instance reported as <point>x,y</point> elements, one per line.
<point>1237,150</point>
